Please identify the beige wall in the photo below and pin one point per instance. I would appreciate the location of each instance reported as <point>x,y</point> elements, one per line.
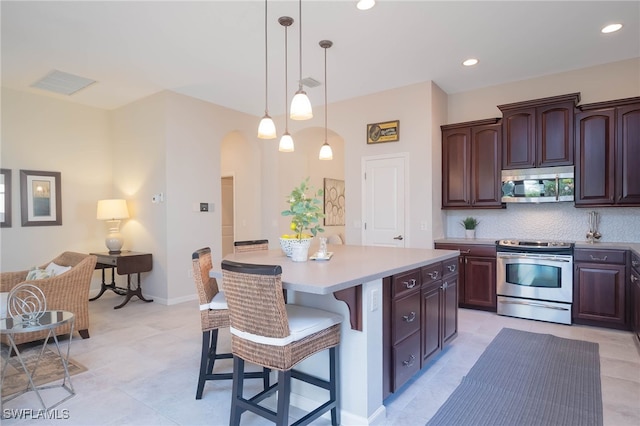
<point>48,134</point>
<point>616,80</point>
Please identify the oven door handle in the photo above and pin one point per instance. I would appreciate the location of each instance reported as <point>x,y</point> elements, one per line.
<point>515,256</point>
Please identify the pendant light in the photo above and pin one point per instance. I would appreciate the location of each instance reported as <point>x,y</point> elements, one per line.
<point>326,153</point>
<point>300,104</point>
<point>365,4</point>
<point>266,128</point>
<point>286,141</point>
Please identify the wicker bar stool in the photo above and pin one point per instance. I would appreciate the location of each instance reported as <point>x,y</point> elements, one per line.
<point>213,316</point>
<point>268,332</point>
<point>252,245</point>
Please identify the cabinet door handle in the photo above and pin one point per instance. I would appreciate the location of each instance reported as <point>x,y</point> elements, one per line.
<point>634,278</point>
<point>467,251</point>
<point>409,318</point>
<point>452,268</point>
<point>433,275</point>
<point>410,284</point>
<point>635,263</point>
<point>444,285</point>
<point>598,258</point>
<point>410,361</point>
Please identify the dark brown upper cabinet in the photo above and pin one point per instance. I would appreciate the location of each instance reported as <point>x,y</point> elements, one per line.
<point>539,132</point>
<point>607,153</point>
<point>471,165</point>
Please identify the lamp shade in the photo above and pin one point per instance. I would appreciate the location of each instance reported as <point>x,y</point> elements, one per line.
<point>112,210</point>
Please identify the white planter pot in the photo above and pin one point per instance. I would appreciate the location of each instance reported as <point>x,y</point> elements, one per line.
<point>470,233</point>
<point>287,245</point>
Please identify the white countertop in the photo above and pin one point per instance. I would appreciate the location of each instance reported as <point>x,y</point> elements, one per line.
<point>349,266</point>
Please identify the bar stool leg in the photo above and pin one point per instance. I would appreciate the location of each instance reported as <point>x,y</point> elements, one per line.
<point>207,358</point>
<point>334,391</point>
<point>237,391</point>
<point>284,396</point>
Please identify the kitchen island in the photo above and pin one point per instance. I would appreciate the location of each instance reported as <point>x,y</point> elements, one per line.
<point>350,284</point>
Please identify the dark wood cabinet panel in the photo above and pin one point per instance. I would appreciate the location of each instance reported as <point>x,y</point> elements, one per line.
<point>628,161</point>
<point>599,288</point>
<point>432,325</point>
<point>599,293</point>
<point>476,281</point>
<point>480,282</point>
<point>607,152</point>
<point>450,307</point>
<point>595,152</point>
<point>471,158</point>
<point>539,132</point>
<point>634,284</point>
<point>519,144</point>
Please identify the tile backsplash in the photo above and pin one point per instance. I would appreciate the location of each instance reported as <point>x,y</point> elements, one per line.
<point>548,221</point>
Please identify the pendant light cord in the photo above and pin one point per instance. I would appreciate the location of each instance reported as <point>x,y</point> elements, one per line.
<point>325,95</point>
<point>266,66</point>
<point>300,44</point>
<point>286,103</point>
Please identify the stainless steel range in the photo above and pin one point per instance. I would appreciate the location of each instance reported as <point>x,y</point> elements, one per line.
<point>535,280</point>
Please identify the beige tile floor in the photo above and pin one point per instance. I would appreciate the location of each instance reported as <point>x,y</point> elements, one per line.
<point>143,362</point>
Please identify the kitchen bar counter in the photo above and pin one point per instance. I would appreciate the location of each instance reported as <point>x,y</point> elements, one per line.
<point>315,284</point>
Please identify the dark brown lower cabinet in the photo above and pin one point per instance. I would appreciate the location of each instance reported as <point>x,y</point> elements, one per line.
<point>477,275</point>
<point>420,316</point>
<point>599,288</point>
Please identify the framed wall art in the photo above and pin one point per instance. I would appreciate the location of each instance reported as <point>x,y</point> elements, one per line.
<point>40,198</point>
<point>333,202</point>
<point>5,198</point>
<point>388,131</point>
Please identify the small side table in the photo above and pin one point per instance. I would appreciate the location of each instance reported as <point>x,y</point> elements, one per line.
<point>125,263</point>
<point>49,321</point>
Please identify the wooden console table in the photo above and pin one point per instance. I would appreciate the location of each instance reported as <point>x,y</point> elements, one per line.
<point>124,263</point>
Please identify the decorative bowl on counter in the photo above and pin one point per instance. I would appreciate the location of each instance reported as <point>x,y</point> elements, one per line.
<point>287,244</point>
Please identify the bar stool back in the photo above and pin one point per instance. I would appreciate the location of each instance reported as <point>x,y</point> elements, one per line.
<point>268,332</point>
<point>213,316</point>
<point>252,245</point>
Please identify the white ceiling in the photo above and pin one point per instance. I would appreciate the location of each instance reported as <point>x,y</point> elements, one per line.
<point>214,50</point>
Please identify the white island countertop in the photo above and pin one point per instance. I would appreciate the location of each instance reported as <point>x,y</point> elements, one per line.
<point>349,266</point>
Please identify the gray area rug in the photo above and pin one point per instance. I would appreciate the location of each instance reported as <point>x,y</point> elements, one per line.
<point>525,378</point>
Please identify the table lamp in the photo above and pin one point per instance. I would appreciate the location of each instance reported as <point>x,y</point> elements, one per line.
<point>112,211</point>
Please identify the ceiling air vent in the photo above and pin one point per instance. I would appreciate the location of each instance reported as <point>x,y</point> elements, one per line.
<point>310,82</point>
<point>62,82</point>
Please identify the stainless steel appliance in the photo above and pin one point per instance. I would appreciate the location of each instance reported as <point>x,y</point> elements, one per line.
<point>541,185</point>
<point>535,280</point>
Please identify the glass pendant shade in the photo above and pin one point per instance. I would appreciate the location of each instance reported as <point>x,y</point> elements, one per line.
<point>326,153</point>
<point>267,128</point>
<point>301,106</point>
<point>286,143</point>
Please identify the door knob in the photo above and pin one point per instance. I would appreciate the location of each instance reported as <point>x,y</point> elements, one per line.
<point>399,237</point>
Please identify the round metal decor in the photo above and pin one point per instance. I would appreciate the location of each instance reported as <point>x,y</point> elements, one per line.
<point>27,302</point>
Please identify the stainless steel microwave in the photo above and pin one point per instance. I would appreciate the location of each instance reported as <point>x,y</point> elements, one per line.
<point>541,185</point>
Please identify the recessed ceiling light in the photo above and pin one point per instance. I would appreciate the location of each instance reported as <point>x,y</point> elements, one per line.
<point>611,28</point>
<point>365,4</point>
<point>470,62</point>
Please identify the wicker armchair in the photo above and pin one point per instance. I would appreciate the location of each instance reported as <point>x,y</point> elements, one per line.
<point>68,291</point>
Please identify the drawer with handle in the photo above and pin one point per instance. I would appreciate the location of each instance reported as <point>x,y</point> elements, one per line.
<point>406,282</point>
<point>450,267</point>
<point>406,360</point>
<point>405,313</point>
<point>432,273</point>
<point>599,256</point>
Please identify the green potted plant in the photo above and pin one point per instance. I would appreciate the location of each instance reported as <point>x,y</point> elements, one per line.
<point>470,224</point>
<point>306,212</point>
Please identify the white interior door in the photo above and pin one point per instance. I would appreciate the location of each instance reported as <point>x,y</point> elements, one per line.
<point>384,201</point>
<point>228,233</point>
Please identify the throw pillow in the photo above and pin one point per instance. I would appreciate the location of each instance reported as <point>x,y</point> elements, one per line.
<point>55,269</point>
<point>38,274</point>
<point>4,298</point>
